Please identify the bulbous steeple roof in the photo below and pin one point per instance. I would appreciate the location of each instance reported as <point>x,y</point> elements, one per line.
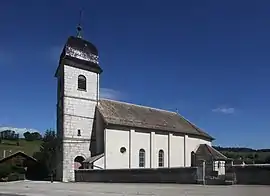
<point>80,53</point>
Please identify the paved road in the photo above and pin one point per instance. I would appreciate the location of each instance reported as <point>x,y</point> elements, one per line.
<point>99,189</point>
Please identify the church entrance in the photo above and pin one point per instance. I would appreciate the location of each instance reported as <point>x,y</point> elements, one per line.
<point>78,162</point>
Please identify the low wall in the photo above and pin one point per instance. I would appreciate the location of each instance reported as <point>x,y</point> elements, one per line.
<point>160,175</point>
<point>252,174</point>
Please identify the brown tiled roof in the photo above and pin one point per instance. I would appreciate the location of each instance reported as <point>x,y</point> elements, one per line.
<point>131,115</point>
<point>206,152</point>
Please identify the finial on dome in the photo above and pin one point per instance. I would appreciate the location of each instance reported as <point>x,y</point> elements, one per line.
<point>79,27</point>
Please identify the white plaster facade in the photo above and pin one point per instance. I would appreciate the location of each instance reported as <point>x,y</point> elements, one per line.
<point>177,148</point>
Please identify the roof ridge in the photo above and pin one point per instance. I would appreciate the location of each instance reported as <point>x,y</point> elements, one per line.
<point>208,148</point>
<point>17,152</point>
<point>219,152</point>
<point>216,151</point>
<point>142,106</point>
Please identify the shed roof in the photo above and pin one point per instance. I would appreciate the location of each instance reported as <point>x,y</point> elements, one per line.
<point>206,152</point>
<point>131,115</point>
<point>15,154</point>
<point>93,158</point>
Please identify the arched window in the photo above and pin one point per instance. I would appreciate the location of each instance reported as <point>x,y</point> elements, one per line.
<point>161,158</point>
<point>142,158</point>
<point>82,82</point>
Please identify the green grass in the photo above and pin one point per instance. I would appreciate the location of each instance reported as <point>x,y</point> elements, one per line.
<point>248,157</point>
<point>28,147</point>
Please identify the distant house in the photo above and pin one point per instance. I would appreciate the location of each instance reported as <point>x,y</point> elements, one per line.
<point>19,159</point>
<point>239,162</point>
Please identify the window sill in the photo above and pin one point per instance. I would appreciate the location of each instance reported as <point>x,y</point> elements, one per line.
<point>79,89</point>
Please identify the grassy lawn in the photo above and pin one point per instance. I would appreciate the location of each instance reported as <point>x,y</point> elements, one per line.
<point>28,147</point>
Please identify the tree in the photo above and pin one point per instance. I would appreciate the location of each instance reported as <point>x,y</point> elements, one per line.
<point>36,136</point>
<point>49,135</point>
<point>267,159</point>
<point>27,135</point>
<point>32,136</point>
<point>47,156</point>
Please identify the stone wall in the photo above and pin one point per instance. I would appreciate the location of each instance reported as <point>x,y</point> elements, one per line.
<point>252,174</point>
<point>160,175</point>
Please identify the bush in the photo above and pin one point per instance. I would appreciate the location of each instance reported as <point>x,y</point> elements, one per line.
<point>5,170</point>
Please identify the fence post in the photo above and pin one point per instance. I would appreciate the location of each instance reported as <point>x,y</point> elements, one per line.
<point>203,172</point>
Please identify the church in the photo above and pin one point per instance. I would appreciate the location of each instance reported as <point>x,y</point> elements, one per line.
<point>96,133</point>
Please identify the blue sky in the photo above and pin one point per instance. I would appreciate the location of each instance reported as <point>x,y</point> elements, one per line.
<point>208,59</point>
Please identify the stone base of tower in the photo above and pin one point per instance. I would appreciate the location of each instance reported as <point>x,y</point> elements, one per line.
<point>68,175</point>
<point>74,152</point>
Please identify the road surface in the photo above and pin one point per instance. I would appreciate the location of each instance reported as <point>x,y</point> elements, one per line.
<point>30,188</point>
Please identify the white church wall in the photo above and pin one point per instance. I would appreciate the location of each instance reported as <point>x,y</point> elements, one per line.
<point>161,143</point>
<point>192,143</point>
<point>152,147</point>
<point>140,140</point>
<point>177,151</point>
<point>114,140</point>
<point>99,164</point>
<point>176,154</point>
<point>71,83</point>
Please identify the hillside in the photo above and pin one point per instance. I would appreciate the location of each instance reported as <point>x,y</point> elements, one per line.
<point>28,147</point>
<point>248,155</point>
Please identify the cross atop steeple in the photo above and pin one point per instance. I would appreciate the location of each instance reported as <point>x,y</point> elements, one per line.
<point>79,27</point>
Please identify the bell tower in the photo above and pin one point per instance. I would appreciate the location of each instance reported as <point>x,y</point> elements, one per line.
<point>77,96</point>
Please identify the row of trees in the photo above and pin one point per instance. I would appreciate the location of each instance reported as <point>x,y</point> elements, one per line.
<point>9,135</point>
<point>12,135</point>
<point>247,155</point>
<point>240,149</point>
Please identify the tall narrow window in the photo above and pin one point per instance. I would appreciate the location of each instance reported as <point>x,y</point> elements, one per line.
<point>161,158</point>
<point>142,158</point>
<point>79,132</point>
<point>82,82</point>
